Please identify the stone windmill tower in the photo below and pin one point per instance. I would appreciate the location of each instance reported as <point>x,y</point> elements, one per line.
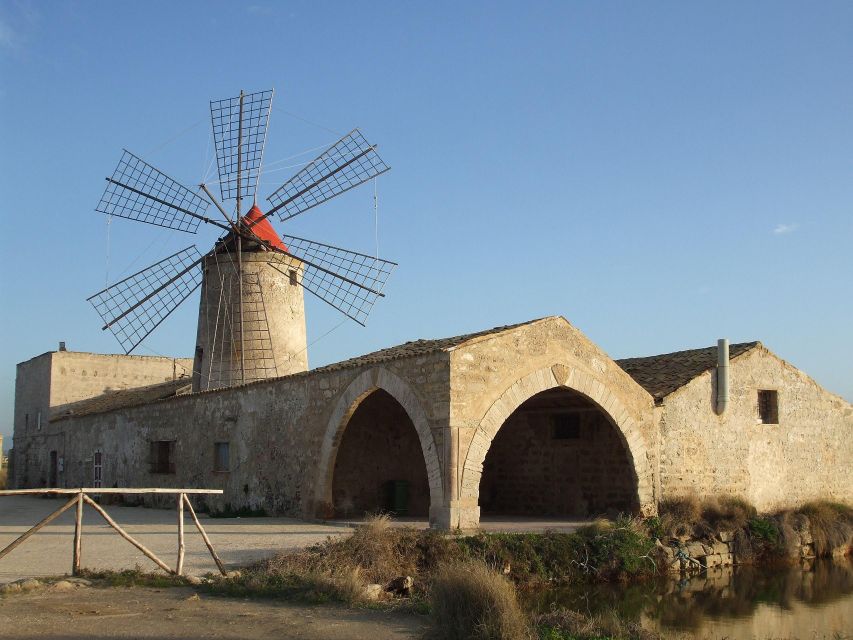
<point>251,322</point>
<point>263,290</point>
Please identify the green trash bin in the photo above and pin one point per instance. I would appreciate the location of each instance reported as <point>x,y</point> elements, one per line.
<point>397,497</point>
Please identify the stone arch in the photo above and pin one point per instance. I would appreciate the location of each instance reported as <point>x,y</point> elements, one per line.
<point>553,377</point>
<point>358,390</point>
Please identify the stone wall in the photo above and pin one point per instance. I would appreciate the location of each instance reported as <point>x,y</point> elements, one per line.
<point>805,456</point>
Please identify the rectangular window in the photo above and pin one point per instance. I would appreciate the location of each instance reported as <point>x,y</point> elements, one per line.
<point>566,426</point>
<point>291,273</point>
<point>38,420</point>
<point>221,456</point>
<point>162,456</point>
<point>768,406</point>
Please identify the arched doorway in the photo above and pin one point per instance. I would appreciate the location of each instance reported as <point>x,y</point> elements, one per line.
<point>557,455</point>
<point>379,465</point>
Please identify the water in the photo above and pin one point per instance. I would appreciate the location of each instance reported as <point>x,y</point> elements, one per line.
<point>810,602</point>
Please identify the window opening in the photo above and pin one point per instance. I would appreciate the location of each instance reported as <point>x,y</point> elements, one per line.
<point>768,406</point>
<point>221,456</point>
<point>162,456</point>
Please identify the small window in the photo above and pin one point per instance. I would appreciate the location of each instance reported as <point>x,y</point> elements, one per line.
<point>26,421</point>
<point>162,456</point>
<point>38,420</point>
<point>768,407</point>
<point>292,274</point>
<point>566,426</point>
<point>221,456</point>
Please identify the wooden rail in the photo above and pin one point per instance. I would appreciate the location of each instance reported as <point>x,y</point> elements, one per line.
<point>81,496</point>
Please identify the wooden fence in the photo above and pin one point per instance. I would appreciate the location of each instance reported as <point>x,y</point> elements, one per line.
<point>81,496</point>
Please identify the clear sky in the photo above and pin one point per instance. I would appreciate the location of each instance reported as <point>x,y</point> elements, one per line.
<point>662,174</point>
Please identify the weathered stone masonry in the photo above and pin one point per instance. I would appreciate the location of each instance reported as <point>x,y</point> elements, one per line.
<point>449,399</point>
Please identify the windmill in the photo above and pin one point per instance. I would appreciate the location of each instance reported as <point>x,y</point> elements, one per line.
<point>251,313</point>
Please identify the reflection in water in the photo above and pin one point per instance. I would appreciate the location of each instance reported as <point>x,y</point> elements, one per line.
<point>802,601</point>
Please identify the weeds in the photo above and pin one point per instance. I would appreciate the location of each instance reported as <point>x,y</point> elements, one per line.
<point>133,578</point>
<point>470,601</point>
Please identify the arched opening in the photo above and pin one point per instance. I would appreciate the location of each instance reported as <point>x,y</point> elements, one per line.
<point>557,455</point>
<point>380,464</point>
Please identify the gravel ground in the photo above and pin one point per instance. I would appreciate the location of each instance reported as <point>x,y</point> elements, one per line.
<point>48,553</point>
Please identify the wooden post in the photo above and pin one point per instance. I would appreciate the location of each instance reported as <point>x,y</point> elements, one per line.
<point>53,516</point>
<point>126,535</point>
<point>204,536</point>
<point>78,536</point>
<point>180,568</point>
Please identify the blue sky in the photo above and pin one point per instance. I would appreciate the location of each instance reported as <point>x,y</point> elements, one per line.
<point>662,174</point>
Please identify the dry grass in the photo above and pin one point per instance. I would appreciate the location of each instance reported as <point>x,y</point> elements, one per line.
<point>469,601</point>
<point>562,623</point>
<point>688,516</point>
<point>831,525</point>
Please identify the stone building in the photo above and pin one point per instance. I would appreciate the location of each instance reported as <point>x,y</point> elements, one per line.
<point>530,420</point>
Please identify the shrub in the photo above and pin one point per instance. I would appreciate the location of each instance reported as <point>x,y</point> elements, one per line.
<point>678,516</point>
<point>764,534</point>
<point>727,513</point>
<point>617,550</point>
<point>469,601</point>
<point>831,525</point>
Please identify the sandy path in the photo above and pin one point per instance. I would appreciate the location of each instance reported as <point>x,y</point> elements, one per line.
<point>177,613</point>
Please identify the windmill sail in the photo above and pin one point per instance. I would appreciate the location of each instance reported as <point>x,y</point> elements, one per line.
<point>132,308</point>
<point>239,135</point>
<point>349,281</point>
<point>138,191</point>
<point>349,162</point>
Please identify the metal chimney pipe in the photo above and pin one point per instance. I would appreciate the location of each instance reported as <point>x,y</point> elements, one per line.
<point>722,376</point>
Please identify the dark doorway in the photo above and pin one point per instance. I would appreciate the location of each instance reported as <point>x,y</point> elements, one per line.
<point>557,455</point>
<point>380,464</point>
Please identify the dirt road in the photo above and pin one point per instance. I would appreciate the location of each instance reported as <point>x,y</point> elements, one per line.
<point>157,614</point>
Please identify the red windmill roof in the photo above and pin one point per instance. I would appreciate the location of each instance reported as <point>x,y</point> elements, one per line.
<point>263,229</point>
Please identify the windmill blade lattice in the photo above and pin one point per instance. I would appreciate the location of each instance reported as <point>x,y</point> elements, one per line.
<point>349,281</point>
<point>240,140</point>
<point>138,191</point>
<point>132,308</point>
<point>349,162</point>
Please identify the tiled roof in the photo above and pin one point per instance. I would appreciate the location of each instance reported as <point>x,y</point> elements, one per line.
<point>123,398</point>
<point>662,374</point>
<point>416,348</point>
